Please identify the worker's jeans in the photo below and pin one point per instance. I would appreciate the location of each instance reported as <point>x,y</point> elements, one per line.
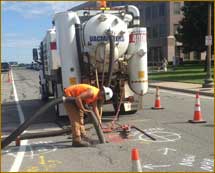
<point>76,117</point>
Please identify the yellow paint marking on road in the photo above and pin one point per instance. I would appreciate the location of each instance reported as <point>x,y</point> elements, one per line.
<point>45,165</point>
<point>33,169</point>
<point>42,160</point>
<point>55,161</point>
<point>145,142</point>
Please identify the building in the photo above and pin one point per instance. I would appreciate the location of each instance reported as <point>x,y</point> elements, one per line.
<point>161,20</point>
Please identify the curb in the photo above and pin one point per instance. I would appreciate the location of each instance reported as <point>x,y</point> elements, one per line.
<point>183,90</point>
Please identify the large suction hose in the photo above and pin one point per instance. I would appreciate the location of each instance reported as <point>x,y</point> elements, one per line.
<point>5,142</point>
<point>111,59</point>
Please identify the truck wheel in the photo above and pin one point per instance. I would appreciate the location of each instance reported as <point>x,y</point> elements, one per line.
<point>55,96</point>
<point>44,96</point>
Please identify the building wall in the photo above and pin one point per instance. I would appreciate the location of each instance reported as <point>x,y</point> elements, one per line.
<point>161,20</point>
<point>175,15</point>
<point>156,21</point>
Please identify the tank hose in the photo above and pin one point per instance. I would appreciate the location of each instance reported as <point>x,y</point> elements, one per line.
<point>111,59</point>
<point>6,141</point>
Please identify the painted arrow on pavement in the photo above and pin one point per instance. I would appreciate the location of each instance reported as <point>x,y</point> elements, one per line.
<point>166,150</point>
<point>150,166</point>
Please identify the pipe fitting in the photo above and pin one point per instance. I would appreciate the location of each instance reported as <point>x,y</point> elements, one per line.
<point>136,14</point>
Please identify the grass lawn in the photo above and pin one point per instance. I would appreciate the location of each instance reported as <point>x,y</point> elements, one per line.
<point>188,73</point>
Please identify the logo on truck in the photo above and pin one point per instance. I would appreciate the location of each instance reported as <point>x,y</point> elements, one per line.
<point>105,38</point>
<point>137,37</point>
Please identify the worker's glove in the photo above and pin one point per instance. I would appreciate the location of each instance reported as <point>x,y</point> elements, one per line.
<point>88,108</point>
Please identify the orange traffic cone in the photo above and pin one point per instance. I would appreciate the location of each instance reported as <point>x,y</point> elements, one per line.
<point>8,77</point>
<point>157,104</point>
<point>136,165</point>
<point>197,114</point>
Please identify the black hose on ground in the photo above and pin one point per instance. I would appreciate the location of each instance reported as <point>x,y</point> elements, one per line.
<point>45,134</point>
<point>27,122</point>
<point>6,141</point>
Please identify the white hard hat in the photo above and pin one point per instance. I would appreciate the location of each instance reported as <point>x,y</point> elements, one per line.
<point>108,93</point>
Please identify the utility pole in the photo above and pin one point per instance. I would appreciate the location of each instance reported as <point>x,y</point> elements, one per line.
<point>209,80</point>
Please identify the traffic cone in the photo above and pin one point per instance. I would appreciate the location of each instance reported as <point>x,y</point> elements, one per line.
<point>8,77</point>
<point>197,118</point>
<point>136,165</point>
<point>157,104</point>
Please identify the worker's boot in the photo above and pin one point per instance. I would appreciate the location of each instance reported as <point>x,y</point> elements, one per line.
<point>80,144</point>
<point>86,138</point>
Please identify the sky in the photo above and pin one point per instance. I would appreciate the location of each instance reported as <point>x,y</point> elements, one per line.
<point>24,25</point>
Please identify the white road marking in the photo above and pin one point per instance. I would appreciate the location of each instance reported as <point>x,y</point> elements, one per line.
<point>208,165</point>
<point>150,166</point>
<point>21,115</point>
<point>19,157</point>
<point>166,150</point>
<point>181,93</point>
<point>188,160</point>
<point>161,136</point>
<point>32,153</point>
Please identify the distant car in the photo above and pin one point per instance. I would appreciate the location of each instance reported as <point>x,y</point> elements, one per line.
<point>5,66</point>
<point>13,63</point>
<point>36,67</point>
<point>28,66</point>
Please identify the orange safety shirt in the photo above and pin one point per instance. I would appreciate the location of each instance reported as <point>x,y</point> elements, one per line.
<point>76,90</point>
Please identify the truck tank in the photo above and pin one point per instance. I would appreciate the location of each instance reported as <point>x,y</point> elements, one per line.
<point>67,48</point>
<point>96,32</point>
<point>137,64</point>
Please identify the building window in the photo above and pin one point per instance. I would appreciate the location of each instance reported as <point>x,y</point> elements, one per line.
<point>162,10</point>
<point>196,55</point>
<point>149,32</point>
<point>157,55</point>
<point>187,56</point>
<point>154,12</point>
<point>175,27</point>
<point>177,51</point>
<point>148,13</point>
<point>177,8</point>
<point>162,30</point>
<point>140,6</point>
<point>155,31</point>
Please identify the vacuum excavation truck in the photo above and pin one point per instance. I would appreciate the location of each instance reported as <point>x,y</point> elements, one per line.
<point>99,46</point>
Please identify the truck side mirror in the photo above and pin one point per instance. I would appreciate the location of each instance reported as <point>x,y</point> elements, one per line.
<point>35,54</point>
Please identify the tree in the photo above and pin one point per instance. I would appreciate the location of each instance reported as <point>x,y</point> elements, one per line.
<point>193,27</point>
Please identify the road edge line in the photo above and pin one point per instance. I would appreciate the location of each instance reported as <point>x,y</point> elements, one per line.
<point>19,157</point>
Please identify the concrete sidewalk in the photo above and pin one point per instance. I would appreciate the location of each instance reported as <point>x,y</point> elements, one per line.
<point>182,87</point>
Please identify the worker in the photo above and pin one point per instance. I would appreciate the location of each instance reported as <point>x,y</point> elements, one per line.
<point>84,94</point>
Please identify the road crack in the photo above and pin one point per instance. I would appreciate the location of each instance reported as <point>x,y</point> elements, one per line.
<point>102,154</point>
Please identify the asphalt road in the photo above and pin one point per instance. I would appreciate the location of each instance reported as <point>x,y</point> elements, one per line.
<point>179,146</point>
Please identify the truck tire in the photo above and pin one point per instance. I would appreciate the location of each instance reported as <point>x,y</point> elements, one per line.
<point>43,93</point>
<point>56,96</point>
<point>44,96</point>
